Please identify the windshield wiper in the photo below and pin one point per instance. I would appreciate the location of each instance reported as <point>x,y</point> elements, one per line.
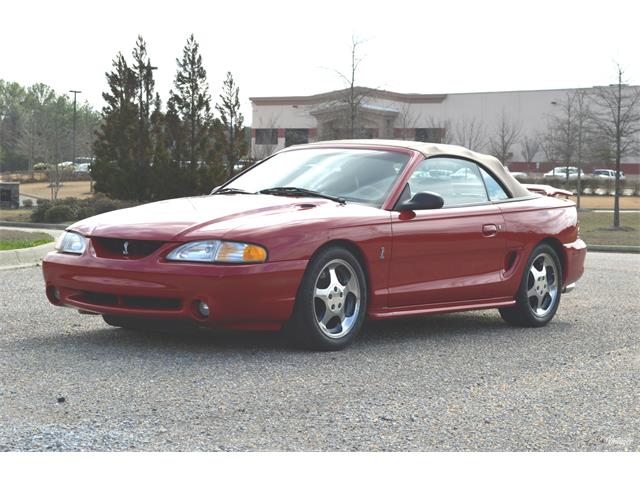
<point>301,192</point>
<point>230,190</point>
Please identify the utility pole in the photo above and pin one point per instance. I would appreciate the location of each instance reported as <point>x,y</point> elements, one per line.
<point>75,93</point>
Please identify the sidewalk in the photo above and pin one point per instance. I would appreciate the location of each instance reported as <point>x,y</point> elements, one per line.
<point>25,257</point>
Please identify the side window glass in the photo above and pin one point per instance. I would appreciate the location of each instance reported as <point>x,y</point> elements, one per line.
<point>458,181</point>
<point>496,192</point>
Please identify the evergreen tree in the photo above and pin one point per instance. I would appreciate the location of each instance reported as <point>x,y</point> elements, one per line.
<point>190,122</point>
<point>165,173</point>
<point>124,146</point>
<point>145,97</point>
<point>114,170</point>
<point>231,135</point>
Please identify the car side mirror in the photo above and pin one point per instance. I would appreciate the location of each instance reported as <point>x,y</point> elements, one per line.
<point>423,201</point>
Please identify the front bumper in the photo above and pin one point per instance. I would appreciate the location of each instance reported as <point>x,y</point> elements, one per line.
<point>243,296</point>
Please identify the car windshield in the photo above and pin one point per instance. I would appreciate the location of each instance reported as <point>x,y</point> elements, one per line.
<point>355,175</point>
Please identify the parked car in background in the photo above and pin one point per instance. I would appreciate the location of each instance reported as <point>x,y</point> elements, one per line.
<point>319,236</point>
<point>607,173</point>
<point>82,168</point>
<point>516,174</point>
<point>562,172</point>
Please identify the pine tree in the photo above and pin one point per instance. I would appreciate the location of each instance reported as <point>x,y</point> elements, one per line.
<point>124,145</point>
<point>190,122</point>
<point>165,173</point>
<point>231,135</point>
<point>114,170</point>
<point>145,97</point>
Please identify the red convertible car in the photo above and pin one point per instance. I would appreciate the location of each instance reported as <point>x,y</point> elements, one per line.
<point>319,237</point>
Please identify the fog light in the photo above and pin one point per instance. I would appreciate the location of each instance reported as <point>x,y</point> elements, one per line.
<point>54,294</point>
<point>203,308</point>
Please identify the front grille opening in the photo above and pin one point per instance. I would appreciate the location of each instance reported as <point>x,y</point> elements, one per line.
<point>123,248</point>
<point>128,301</point>
<point>152,303</point>
<point>100,298</point>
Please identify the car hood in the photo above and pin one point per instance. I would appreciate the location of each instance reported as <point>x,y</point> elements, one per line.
<point>187,218</point>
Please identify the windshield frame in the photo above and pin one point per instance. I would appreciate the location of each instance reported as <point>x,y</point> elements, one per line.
<point>396,187</point>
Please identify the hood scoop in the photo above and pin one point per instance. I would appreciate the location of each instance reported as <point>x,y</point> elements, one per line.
<point>305,206</point>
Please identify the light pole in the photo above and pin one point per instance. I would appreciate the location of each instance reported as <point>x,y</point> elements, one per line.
<point>75,93</point>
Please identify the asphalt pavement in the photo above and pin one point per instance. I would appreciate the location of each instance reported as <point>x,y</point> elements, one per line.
<point>461,381</point>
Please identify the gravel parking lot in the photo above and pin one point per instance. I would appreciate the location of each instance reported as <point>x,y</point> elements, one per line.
<point>448,382</point>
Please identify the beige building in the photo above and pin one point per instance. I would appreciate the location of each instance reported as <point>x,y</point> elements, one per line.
<point>468,119</point>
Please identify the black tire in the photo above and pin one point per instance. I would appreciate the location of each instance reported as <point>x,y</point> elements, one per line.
<point>347,304</point>
<point>536,303</point>
<point>150,324</point>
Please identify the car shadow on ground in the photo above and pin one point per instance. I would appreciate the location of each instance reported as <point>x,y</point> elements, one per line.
<point>448,328</point>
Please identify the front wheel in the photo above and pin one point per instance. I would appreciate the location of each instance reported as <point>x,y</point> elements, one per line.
<point>539,294</point>
<point>331,302</point>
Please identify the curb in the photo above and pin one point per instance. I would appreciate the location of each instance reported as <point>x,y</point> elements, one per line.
<point>24,257</point>
<point>48,226</point>
<point>613,248</point>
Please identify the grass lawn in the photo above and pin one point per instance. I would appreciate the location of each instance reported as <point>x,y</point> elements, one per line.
<point>15,215</point>
<point>606,202</point>
<point>596,228</point>
<point>80,189</point>
<point>13,239</point>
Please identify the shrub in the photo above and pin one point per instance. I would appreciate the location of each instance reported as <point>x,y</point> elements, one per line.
<point>28,203</point>
<point>59,214</point>
<point>72,209</point>
<point>588,183</point>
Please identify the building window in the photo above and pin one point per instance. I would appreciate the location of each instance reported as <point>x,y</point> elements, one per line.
<point>296,136</point>
<point>266,136</point>
<point>430,135</point>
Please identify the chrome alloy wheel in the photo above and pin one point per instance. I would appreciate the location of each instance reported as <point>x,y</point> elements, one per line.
<point>336,298</point>
<point>542,285</point>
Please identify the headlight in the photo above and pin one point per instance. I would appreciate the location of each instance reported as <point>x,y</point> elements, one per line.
<point>71,242</point>
<point>218,251</point>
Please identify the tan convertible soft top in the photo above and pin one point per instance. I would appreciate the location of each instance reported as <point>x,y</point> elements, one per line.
<point>434,149</point>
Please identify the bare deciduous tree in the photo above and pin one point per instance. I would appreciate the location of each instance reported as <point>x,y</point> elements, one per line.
<point>582,117</point>
<point>470,133</point>
<point>261,151</point>
<point>353,97</point>
<point>408,121</point>
<point>444,127</point>
<point>505,136</point>
<point>568,125</point>
<point>530,148</point>
<point>548,145</point>
<point>615,113</point>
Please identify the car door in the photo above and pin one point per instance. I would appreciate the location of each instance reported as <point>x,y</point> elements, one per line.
<point>451,254</point>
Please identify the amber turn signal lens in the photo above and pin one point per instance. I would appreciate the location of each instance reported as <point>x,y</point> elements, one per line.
<point>254,253</point>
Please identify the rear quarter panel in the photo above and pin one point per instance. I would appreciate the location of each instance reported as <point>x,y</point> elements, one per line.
<point>529,222</point>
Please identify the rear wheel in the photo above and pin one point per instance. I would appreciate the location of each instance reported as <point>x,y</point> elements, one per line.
<point>149,324</point>
<point>331,302</point>
<point>538,297</point>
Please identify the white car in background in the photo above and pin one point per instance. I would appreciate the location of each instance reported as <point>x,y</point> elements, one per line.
<point>516,174</point>
<point>607,173</point>
<point>562,172</point>
<point>82,167</point>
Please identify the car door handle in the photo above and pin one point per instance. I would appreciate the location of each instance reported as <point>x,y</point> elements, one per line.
<point>489,230</point>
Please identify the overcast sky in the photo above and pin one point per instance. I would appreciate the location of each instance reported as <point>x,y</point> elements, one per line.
<point>292,47</point>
